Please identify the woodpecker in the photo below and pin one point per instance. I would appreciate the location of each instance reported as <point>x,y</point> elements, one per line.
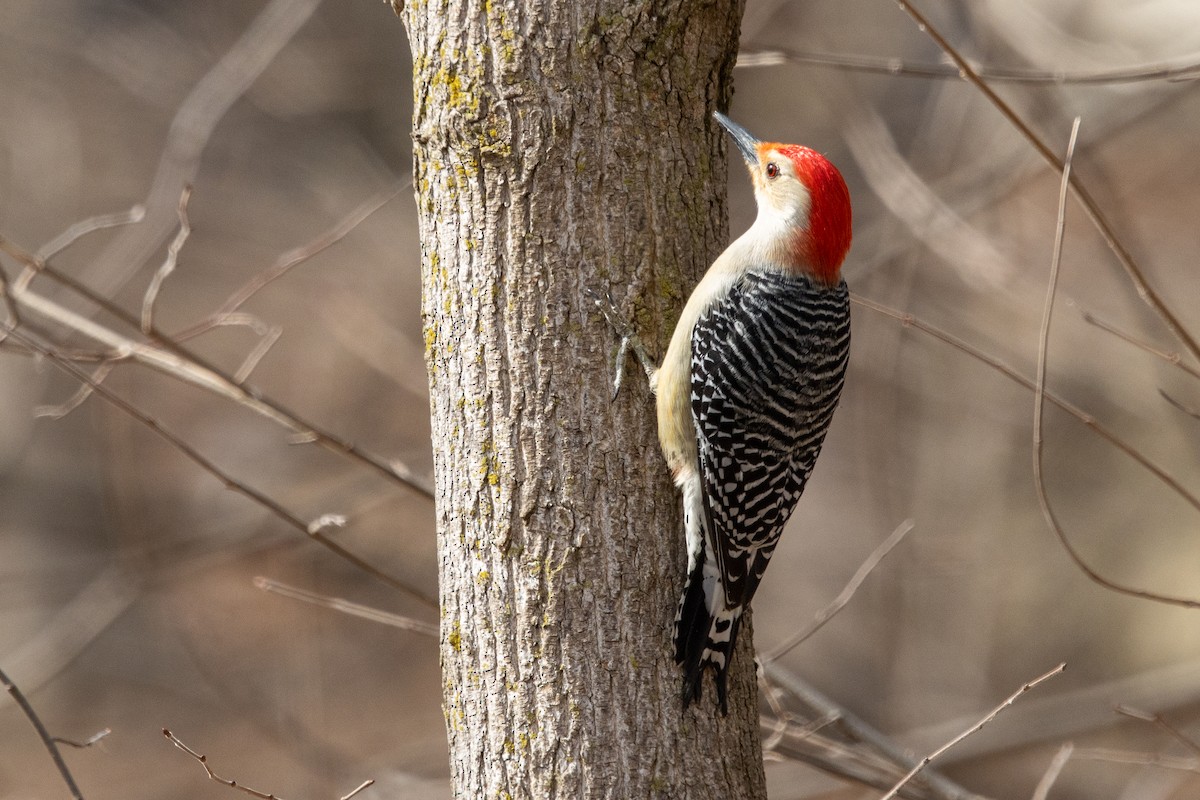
<point>747,390</point>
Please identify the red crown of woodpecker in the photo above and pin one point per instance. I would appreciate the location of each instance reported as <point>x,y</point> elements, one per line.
<point>820,241</point>
<point>827,238</point>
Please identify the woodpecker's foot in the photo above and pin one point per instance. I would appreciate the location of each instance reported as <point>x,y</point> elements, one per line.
<point>629,340</point>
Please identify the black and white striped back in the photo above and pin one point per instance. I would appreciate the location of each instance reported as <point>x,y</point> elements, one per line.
<point>768,364</point>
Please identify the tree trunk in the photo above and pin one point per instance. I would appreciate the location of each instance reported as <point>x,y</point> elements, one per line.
<point>561,146</point>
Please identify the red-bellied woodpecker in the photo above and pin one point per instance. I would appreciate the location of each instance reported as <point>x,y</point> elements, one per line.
<point>748,388</point>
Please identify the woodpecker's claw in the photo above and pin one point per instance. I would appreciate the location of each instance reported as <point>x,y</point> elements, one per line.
<point>604,303</point>
<point>629,340</point>
<point>619,365</point>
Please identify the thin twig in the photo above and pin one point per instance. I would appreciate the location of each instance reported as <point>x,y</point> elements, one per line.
<point>1171,357</point>
<point>157,358</point>
<point>168,265</point>
<point>10,303</point>
<point>346,607</point>
<point>1191,412</point>
<point>314,532</point>
<point>1132,269</point>
<point>192,126</point>
<point>265,343</point>
<point>990,716</point>
<point>167,355</point>
<point>941,226</point>
<point>781,722</point>
<point>769,691</point>
<point>293,258</point>
<point>76,400</point>
<point>228,312</point>
<point>1053,771</point>
<point>749,57</point>
<point>884,751</point>
<point>776,728</point>
<point>357,789</point>
<point>86,743</point>
<point>1159,722</point>
<point>1039,391</point>
<point>123,347</point>
<point>203,759</point>
<point>82,228</point>
<point>1139,759</point>
<point>44,734</point>
<point>825,614</point>
<point>910,321</point>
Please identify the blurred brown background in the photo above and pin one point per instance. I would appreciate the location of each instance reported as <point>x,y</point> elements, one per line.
<point>126,594</point>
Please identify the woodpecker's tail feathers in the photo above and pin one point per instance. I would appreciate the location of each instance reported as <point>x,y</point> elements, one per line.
<point>705,633</point>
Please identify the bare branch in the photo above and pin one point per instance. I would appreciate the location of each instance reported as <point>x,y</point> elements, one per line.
<point>36,262</point>
<point>264,346</point>
<point>839,602</point>
<point>1132,269</point>
<point>990,716</point>
<point>937,223</point>
<point>1039,405</point>
<point>1053,771</point>
<point>910,321</point>
<point>1159,722</point>
<point>347,607</point>
<point>1171,357</point>
<point>776,728</point>
<point>203,759</point>
<point>86,743</point>
<point>299,255</point>
<point>313,532</point>
<point>1039,391</point>
<point>10,304</point>
<point>190,130</point>
<point>168,265</point>
<point>45,736</point>
<point>268,335</point>
<point>749,57</point>
<point>76,400</point>
<point>158,358</point>
<point>226,384</point>
<point>357,789</point>
<point>1190,411</point>
<point>172,358</point>
<point>863,754</point>
<point>1139,759</point>
<point>82,228</point>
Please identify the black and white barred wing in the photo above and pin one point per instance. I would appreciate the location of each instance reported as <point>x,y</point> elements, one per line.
<point>768,363</point>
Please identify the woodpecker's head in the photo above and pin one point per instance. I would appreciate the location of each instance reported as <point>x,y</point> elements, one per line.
<point>803,203</point>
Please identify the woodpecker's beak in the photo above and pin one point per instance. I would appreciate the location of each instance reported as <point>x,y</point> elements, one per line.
<point>745,142</point>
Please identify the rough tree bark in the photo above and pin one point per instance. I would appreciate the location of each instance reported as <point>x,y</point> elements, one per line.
<point>563,145</point>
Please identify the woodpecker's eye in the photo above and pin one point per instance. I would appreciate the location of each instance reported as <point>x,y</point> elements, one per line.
<point>772,170</point>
